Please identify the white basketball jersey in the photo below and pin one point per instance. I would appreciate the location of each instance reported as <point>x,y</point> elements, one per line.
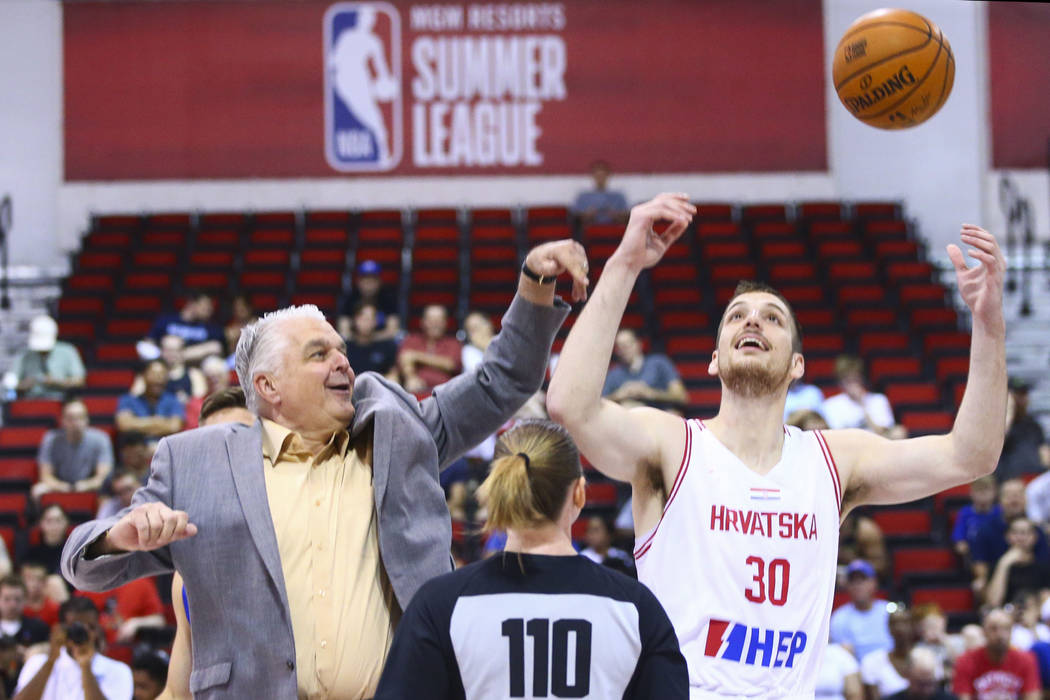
<point>744,565</point>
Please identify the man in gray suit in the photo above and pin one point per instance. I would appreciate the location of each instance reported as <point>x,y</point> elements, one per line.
<point>301,538</point>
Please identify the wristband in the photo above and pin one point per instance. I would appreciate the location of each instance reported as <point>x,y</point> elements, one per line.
<point>539,279</point>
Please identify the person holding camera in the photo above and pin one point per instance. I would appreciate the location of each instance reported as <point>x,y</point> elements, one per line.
<point>73,669</point>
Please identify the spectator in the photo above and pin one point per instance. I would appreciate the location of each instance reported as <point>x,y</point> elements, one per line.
<point>839,675</point>
<point>150,673</point>
<point>431,357</point>
<point>600,205</point>
<point>226,406</point>
<point>480,332</point>
<point>803,397</point>
<point>990,543</point>
<point>971,518</point>
<point>996,670</point>
<point>241,314</point>
<point>860,537</point>
<point>10,665</point>
<point>642,379</point>
<point>135,455</point>
<point>75,456</point>
<point>365,350</point>
<point>932,627</point>
<point>217,377</point>
<point>923,680</point>
<point>73,669</point>
<point>49,367</point>
<point>26,631</point>
<point>193,323</point>
<point>368,287</point>
<point>124,486</point>
<point>862,625</point>
<point>38,605</point>
<point>1028,628</point>
<point>883,671</point>
<point>185,382</point>
<point>1017,570</point>
<point>807,420</point>
<point>157,412</point>
<point>54,526</point>
<point>125,610</point>
<point>856,407</point>
<point>598,538</point>
<point>1024,450</point>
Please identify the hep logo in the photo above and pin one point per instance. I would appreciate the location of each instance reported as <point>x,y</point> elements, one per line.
<point>362,44</point>
<point>733,641</point>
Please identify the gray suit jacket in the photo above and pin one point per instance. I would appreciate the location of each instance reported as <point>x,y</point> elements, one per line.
<point>241,629</point>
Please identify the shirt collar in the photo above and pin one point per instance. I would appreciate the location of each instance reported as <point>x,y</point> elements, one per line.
<point>279,441</point>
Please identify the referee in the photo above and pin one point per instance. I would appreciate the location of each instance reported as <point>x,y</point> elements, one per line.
<point>536,620</point>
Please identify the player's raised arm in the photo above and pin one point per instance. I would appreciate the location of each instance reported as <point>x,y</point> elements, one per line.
<point>616,440</point>
<point>876,470</point>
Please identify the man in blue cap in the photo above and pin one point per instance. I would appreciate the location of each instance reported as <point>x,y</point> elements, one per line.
<point>863,624</point>
<point>368,288</point>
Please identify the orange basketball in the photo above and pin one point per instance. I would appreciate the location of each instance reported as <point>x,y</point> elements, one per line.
<point>893,69</point>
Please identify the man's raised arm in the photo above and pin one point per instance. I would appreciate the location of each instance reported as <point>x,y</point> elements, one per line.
<point>876,470</point>
<point>615,439</point>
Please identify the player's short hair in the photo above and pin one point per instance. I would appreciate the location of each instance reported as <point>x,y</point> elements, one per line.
<point>232,397</point>
<point>535,464</point>
<point>751,287</point>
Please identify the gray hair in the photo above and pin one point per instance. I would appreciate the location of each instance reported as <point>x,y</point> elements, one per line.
<point>923,658</point>
<point>259,349</point>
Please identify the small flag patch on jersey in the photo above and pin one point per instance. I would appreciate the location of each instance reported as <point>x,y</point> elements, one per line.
<point>760,494</point>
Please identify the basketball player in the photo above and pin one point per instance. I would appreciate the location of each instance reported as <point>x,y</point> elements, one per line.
<point>736,517</point>
<point>536,620</point>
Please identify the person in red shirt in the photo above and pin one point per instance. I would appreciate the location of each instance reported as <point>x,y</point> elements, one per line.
<point>125,610</point>
<point>429,358</point>
<point>38,604</point>
<point>996,671</point>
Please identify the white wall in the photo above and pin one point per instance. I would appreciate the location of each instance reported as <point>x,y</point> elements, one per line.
<point>938,168</point>
<point>31,126</point>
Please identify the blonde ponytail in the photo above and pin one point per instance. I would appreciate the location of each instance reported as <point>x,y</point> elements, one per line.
<point>536,463</point>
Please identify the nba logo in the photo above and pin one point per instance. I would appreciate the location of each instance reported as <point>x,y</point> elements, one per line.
<point>362,86</point>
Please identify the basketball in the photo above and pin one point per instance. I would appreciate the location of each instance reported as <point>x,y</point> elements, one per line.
<point>893,69</point>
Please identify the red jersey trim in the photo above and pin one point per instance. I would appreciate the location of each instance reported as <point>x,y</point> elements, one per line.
<point>641,549</point>
<point>829,459</point>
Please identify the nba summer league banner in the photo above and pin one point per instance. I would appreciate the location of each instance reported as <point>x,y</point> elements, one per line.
<point>231,89</point>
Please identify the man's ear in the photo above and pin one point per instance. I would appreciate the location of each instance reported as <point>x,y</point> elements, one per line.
<point>266,388</point>
<point>712,367</point>
<point>798,365</point>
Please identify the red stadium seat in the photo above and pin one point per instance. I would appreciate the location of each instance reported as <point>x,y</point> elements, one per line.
<point>763,212</point>
<point>602,494</point>
<point>267,257</point>
<point>110,379</point>
<point>820,210</point>
<point>774,251</point>
<point>677,296</point>
<point>955,599</point>
<point>35,409</point>
<point>882,369</point>
<point>211,258</point>
<point>902,394</point>
<point>20,473</point>
<point>325,236</point>
<point>137,304</point>
<point>927,422</point>
<point>821,230</point>
<point>766,230</point>
<point>871,318</point>
<point>696,321</point>
<point>932,317</point>
<point>99,260</point>
<point>690,345</point>
<point>101,405</point>
<point>923,560</point>
<point>279,237</point>
<point>221,238</point>
<point>13,507</point>
<point>710,230</point>
<point>884,341</point>
<point>329,279</point>
<point>903,521</point>
<point>81,503</point>
<point>153,258</point>
<point>729,250</point>
<point>163,239</point>
<point>780,272</point>
<point>947,342</point>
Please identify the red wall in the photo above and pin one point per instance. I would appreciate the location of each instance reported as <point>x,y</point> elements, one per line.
<point>224,89</point>
<point>1019,65</point>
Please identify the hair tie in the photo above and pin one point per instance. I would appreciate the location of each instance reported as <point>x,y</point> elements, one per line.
<point>524,456</point>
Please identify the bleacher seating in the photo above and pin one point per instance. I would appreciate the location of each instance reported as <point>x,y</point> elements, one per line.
<point>854,272</point>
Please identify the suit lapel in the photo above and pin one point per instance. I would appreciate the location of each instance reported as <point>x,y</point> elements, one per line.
<point>245,453</point>
<point>366,411</point>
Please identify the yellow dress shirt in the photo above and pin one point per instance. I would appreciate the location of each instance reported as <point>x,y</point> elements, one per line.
<point>342,605</point>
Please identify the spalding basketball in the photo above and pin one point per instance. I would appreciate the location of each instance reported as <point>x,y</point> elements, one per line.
<point>893,69</point>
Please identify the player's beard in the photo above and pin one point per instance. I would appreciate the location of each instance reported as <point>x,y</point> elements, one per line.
<point>753,379</point>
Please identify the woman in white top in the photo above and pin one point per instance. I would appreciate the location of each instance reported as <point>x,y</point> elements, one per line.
<point>839,675</point>
<point>885,672</point>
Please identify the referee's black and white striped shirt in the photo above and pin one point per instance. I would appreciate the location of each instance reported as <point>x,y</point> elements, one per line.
<point>564,627</point>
